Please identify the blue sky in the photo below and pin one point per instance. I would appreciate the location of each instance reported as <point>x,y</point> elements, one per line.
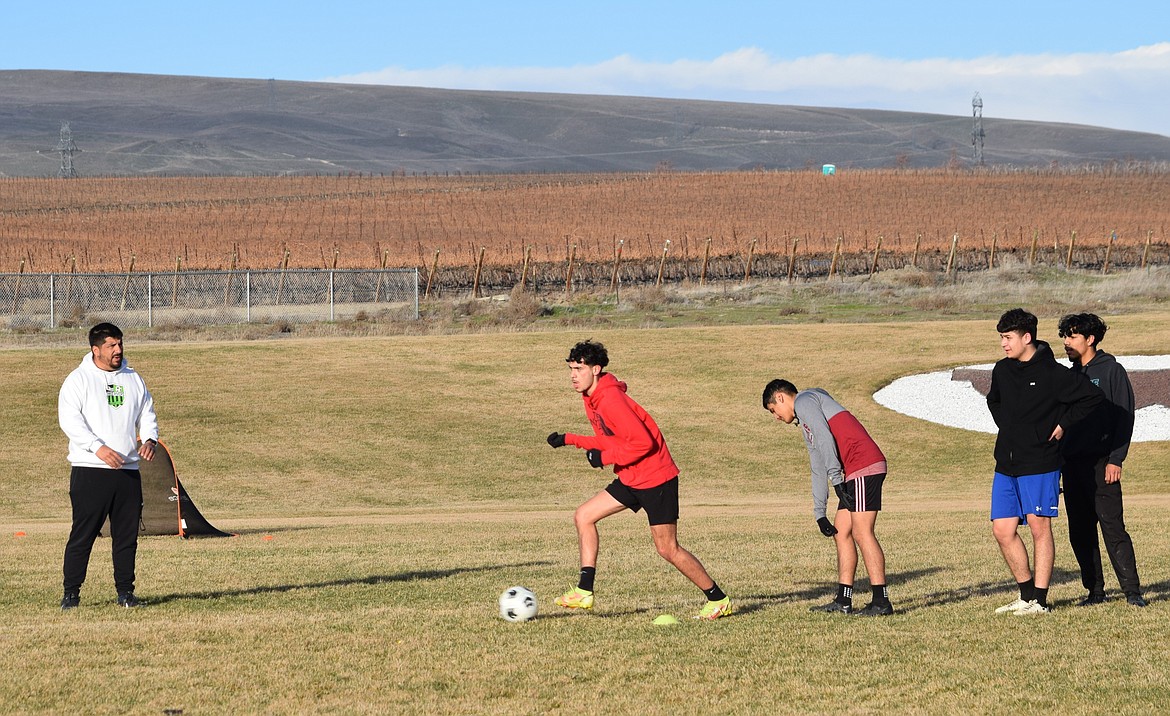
<point>1097,63</point>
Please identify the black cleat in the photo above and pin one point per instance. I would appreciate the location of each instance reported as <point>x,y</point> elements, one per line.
<point>833,607</point>
<point>71,600</point>
<point>1093,599</point>
<point>1137,600</point>
<point>128,600</point>
<point>875,610</point>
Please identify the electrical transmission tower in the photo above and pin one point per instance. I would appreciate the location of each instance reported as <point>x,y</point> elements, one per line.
<point>67,148</point>
<point>977,128</point>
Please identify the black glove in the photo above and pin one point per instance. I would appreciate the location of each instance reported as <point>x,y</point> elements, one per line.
<point>594,457</point>
<point>827,528</point>
<point>846,496</point>
<point>556,439</point>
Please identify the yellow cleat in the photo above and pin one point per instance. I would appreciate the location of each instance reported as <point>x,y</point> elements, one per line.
<point>575,599</point>
<point>713,610</point>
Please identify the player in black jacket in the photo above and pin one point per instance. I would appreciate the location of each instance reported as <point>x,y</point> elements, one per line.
<point>1094,450</point>
<point>1034,400</point>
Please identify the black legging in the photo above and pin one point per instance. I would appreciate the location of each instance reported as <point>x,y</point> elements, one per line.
<point>98,493</point>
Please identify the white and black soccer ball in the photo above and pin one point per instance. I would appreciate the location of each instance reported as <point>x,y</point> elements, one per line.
<point>517,604</point>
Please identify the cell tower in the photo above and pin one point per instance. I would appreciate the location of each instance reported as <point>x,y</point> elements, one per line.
<point>67,148</point>
<point>977,128</point>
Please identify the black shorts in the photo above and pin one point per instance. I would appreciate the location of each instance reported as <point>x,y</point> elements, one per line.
<point>861,494</point>
<point>661,502</point>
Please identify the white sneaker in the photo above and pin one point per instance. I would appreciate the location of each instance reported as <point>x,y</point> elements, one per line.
<point>1032,607</point>
<point>1013,607</point>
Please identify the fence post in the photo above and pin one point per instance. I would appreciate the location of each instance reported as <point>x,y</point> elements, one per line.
<point>150,300</point>
<point>569,269</point>
<point>617,262</point>
<point>1146,252</point>
<point>662,262</point>
<point>914,258</point>
<point>792,258</point>
<point>836,253</point>
<point>876,250</point>
<point>991,257</point>
<point>1108,252</point>
<point>1032,253</point>
<point>330,296</point>
<point>524,267</point>
<point>478,270</point>
<point>52,305</point>
<point>706,260</point>
<point>951,257</point>
<point>1072,241</point>
<point>126,284</point>
<point>431,275</point>
<point>747,270</point>
<point>248,297</point>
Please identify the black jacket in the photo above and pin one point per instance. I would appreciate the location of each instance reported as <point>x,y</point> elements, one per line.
<point>1109,428</point>
<point>1028,400</point>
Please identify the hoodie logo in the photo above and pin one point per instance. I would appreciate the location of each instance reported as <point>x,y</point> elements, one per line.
<point>115,396</point>
<point>1095,381</point>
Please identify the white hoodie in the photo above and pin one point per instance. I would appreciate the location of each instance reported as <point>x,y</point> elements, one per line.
<point>111,408</point>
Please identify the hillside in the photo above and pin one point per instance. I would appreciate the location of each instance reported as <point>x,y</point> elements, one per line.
<point>125,124</point>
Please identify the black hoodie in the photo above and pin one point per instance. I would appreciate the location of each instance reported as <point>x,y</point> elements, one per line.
<point>1109,428</point>
<point>1028,399</point>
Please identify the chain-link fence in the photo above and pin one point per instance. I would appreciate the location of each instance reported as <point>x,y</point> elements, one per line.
<point>135,300</point>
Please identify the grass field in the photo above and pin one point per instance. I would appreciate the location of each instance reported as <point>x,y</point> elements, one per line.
<point>386,489</point>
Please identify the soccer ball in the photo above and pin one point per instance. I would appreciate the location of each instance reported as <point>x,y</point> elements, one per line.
<point>517,604</point>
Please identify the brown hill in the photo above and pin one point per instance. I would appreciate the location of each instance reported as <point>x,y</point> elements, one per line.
<point>126,124</point>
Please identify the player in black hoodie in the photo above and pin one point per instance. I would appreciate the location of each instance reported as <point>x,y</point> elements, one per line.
<point>1034,400</point>
<point>1094,451</point>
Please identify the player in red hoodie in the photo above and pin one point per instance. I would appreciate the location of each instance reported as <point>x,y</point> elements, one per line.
<point>625,436</point>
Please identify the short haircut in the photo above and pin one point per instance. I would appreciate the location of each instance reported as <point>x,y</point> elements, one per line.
<point>1086,324</point>
<point>1017,320</point>
<point>589,353</point>
<point>99,333</point>
<point>775,386</point>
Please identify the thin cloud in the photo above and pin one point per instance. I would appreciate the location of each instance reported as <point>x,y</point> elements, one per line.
<point>1123,90</point>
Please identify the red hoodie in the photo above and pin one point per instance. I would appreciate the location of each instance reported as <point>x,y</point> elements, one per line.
<point>627,436</point>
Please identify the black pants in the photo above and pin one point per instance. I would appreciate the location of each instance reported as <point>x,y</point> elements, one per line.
<point>97,493</point>
<point>1089,502</point>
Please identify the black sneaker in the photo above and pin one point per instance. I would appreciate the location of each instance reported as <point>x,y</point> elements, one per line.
<point>833,607</point>
<point>128,600</point>
<point>71,600</point>
<point>1137,600</point>
<point>1093,599</point>
<point>875,610</point>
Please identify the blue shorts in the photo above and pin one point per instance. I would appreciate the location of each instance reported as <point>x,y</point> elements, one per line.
<point>1025,495</point>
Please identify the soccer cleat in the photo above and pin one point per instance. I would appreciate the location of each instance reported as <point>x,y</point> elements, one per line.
<point>128,600</point>
<point>71,600</point>
<point>1012,608</point>
<point>1032,607</point>
<point>875,610</point>
<point>712,610</point>
<point>1093,599</point>
<point>833,607</point>
<point>1137,600</point>
<point>575,598</point>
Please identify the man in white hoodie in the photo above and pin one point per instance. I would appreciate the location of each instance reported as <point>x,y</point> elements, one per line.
<point>103,408</point>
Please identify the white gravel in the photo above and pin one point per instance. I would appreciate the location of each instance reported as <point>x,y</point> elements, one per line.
<point>937,398</point>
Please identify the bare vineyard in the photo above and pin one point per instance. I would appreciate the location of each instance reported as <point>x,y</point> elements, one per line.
<point>556,231</point>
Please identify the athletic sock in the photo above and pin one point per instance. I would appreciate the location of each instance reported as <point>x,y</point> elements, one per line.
<point>1027,590</point>
<point>1041,596</point>
<point>714,594</point>
<point>844,594</point>
<point>585,583</point>
<point>881,595</point>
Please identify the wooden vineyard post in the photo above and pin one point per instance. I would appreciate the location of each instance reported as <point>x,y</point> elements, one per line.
<point>569,268</point>
<point>126,283</point>
<point>747,269</point>
<point>478,271</point>
<point>1072,242</point>
<point>16,293</point>
<point>617,262</point>
<point>876,250</point>
<point>914,256</point>
<point>175,282</point>
<point>382,266</point>
<point>1032,253</point>
<point>431,275</point>
<point>991,256</point>
<point>951,257</point>
<point>227,288</point>
<point>792,259</point>
<point>1146,251</point>
<point>280,279</point>
<point>69,285</point>
<point>662,263</point>
<point>706,262</point>
<point>524,267</point>
<point>1108,252</point>
<point>836,253</point>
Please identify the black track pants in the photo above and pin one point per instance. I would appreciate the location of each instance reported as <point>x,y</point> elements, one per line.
<point>1089,502</point>
<point>95,494</point>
